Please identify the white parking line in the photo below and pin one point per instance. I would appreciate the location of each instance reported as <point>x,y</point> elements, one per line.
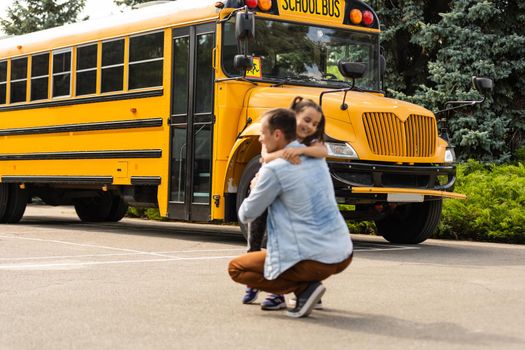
<point>90,263</point>
<point>121,254</point>
<point>87,245</point>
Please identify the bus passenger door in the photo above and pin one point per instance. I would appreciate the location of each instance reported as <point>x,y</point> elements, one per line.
<point>191,123</point>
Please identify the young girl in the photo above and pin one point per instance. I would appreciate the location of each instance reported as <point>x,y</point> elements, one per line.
<point>310,132</point>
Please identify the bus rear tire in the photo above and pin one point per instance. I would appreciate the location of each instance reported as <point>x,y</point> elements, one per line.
<point>94,209</point>
<point>4,191</point>
<point>119,208</point>
<point>411,223</point>
<point>17,199</point>
<point>243,190</point>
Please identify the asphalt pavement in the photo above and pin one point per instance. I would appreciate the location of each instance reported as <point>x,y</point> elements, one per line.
<point>162,285</point>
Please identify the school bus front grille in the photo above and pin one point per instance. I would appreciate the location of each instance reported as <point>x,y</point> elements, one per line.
<point>387,135</point>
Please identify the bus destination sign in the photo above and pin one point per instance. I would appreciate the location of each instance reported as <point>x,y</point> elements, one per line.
<point>334,9</point>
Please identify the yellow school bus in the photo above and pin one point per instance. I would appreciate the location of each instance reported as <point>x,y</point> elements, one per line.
<point>160,107</point>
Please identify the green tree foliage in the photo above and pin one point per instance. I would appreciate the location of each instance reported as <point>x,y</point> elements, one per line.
<point>433,48</point>
<point>26,16</point>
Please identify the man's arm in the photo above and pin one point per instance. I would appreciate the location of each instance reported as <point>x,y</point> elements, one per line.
<point>261,196</point>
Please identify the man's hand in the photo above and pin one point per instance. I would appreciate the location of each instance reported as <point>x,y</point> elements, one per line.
<point>292,155</point>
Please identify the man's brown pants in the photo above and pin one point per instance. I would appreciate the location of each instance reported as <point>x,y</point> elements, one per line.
<point>248,269</point>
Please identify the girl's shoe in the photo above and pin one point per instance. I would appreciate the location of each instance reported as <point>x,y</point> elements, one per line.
<point>250,295</point>
<point>274,302</point>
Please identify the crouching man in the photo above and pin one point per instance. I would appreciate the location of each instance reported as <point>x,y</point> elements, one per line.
<point>308,240</point>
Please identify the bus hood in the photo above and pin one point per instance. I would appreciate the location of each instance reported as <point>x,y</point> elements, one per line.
<point>338,119</point>
<point>378,128</point>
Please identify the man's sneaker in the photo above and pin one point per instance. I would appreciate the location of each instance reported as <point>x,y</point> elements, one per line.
<point>274,302</point>
<point>250,296</point>
<point>306,301</point>
<point>318,306</point>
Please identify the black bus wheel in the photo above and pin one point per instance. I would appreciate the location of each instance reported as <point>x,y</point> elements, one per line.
<point>119,208</point>
<point>411,223</point>
<point>17,199</point>
<point>243,190</point>
<point>94,209</point>
<point>4,191</point>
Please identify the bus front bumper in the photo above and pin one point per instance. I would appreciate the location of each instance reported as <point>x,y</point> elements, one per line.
<point>361,182</point>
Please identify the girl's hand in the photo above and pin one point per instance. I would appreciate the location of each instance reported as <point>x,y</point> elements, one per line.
<point>253,183</point>
<point>292,155</point>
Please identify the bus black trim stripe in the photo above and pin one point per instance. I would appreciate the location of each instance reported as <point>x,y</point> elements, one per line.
<point>147,153</point>
<point>102,180</point>
<point>145,180</point>
<point>82,100</point>
<point>112,125</point>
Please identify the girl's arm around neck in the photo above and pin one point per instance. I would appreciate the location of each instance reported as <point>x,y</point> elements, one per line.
<point>315,150</point>
<point>268,157</point>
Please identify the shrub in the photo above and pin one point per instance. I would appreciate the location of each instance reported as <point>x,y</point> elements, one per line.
<point>493,210</point>
<point>144,213</point>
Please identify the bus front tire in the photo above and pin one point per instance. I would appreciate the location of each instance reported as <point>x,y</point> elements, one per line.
<point>15,200</point>
<point>243,190</point>
<point>411,223</point>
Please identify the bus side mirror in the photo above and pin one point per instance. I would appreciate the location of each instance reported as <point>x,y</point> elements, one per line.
<point>244,25</point>
<point>242,62</point>
<point>352,70</point>
<point>382,66</point>
<point>482,84</point>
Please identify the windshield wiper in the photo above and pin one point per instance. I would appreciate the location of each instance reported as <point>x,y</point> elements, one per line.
<point>337,81</point>
<point>296,79</point>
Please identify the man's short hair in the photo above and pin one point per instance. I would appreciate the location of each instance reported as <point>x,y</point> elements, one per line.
<point>282,119</point>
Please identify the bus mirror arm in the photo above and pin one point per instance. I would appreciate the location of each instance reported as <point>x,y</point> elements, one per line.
<point>241,78</point>
<point>343,106</point>
<point>248,122</point>
<point>483,85</point>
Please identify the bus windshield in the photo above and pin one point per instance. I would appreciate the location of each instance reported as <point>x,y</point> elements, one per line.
<point>304,54</point>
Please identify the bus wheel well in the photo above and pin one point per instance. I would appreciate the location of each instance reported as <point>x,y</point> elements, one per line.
<point>237,164</point>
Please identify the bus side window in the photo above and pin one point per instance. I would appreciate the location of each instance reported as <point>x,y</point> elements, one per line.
<point>146,54</point>
<point>62,73</point>
<point>112,65</point>
<point>86,82</point>
<point>39,77</point>
<point>18,80</point>
<point>3,82</point>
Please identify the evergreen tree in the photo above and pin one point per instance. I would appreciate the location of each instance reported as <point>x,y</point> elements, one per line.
<point>26,16</point>
<point>483,38</point>
<point>433,48</point>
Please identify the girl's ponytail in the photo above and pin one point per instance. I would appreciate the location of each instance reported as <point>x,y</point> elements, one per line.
<point>295,102</point>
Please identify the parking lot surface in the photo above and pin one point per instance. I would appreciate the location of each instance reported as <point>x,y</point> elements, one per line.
<point>161,285</point>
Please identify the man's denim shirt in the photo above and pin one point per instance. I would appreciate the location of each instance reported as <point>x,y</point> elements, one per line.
<point>304,222</point>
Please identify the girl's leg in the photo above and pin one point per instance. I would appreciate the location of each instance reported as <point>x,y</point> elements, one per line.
<point>256,232</point>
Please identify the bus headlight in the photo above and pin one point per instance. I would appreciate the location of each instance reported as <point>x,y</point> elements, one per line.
<point>341,150</point>
<point>450,155</point>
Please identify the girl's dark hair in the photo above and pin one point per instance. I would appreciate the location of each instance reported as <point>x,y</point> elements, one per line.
<point>298,105</point>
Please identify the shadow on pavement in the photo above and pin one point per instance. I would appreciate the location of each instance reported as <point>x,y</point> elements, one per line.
<point>393,327</point>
